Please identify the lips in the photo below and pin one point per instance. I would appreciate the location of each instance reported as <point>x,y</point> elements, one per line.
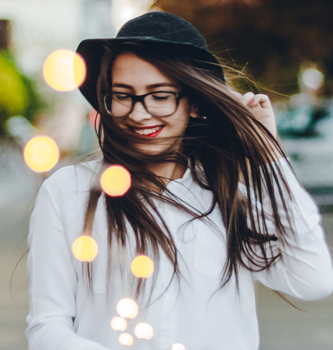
<point>152,131</point>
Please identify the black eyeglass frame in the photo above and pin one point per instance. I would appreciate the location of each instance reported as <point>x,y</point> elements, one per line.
<point>140,98</point>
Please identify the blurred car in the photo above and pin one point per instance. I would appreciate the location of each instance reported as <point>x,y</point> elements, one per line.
<point>306,134</point>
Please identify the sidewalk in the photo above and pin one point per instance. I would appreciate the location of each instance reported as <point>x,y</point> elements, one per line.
<point>13,311</point>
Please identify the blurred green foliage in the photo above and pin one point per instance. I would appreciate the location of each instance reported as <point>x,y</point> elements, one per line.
<point>272,38</point>
<point>18,95</point>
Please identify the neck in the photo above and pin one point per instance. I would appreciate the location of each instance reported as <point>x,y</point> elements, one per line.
<point>169,172</point>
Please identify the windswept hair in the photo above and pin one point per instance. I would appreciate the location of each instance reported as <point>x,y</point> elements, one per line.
<point>227,148</point>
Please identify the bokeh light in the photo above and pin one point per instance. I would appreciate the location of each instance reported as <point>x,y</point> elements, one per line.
<point>125,339</point>
<point>178,346</point>
<point>85,248</point>
<point>41,154</point>
<point>94,118</point>
<point>116,181</point>
<point>144,331</point>
<point>118,324</point>
<point>127,308</point>
<point>64,70</point>
<point>142,266</point>
<point>313,78</point>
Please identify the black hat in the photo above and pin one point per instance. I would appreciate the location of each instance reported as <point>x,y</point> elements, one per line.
<point>159,30</point>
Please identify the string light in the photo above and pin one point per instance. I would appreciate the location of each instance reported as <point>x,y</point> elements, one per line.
<point>144,331</point>
<point>94,119</point>
<point>313,78</point>
<point>142,266</point>
<point>178,346</point>
<point>116,181</point>
<point>127,308</point>
<point>64,70</point>
<point>118,324</point>
<point>125,339</point>
<point>85,248</point>
<point>41,154</point>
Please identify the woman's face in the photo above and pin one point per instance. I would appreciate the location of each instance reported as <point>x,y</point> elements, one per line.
<point>132,75</point>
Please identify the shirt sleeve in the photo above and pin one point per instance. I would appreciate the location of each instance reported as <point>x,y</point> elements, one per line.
<point>305,270</point>
<point>53,282</point>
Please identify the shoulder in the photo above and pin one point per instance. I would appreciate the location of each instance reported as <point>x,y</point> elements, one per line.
<point>78,177</point>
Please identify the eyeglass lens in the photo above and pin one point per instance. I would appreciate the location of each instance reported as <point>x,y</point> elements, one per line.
<point>158,104</point>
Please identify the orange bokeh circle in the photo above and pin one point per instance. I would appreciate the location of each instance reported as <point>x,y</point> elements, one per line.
<point>85,248</point>
<point>64,70</point>
<point>116,181</point>
<point>41,154</point>
<point>142,266</point>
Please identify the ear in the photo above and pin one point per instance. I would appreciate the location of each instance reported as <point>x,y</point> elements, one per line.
<point>194,113</point>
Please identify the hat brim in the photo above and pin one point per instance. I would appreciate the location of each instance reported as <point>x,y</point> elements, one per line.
<point>92,51</point>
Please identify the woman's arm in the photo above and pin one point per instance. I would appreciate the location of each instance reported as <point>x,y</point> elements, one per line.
<point>305,270</point>
<point>53,281</point>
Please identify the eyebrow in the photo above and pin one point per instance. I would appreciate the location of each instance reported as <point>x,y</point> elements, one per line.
<point>152,86</point>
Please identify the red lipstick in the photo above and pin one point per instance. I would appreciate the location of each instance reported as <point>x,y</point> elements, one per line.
<point>154,134</point>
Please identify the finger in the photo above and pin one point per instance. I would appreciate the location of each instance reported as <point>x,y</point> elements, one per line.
<point>255,102</point>
<point>260,100</point>
<point>248,97</point>
<point>264,101</point>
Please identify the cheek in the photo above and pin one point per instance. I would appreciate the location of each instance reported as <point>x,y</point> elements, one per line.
<point>184,122</point>
<point>183,117</point>
<point>178,125</point>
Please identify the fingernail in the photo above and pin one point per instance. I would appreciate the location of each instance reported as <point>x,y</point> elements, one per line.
<point>252,101</point>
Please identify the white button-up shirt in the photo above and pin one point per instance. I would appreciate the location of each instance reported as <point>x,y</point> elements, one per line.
<point>191,310</point>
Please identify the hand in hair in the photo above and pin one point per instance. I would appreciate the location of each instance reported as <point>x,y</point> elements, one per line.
<point>261,108</point>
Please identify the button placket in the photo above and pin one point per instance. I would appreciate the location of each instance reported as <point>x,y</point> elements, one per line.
<point>169,297</point>
<point>168,312</point>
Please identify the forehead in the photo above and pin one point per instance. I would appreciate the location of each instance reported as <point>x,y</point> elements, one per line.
<point>131,69</point>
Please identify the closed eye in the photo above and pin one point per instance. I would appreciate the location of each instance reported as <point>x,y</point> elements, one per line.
<point>162,96</point>
<point>120,96</point>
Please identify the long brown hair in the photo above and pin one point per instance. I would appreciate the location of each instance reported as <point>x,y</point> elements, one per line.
<point>229,147</point>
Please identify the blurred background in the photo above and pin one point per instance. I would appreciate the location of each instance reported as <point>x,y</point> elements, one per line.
<point>286,46</point>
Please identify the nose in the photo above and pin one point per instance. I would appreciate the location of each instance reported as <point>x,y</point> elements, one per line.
<point>139,113</point>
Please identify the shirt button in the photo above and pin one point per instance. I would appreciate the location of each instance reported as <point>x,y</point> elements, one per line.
<point>169,297</point>
<point>161,205</point>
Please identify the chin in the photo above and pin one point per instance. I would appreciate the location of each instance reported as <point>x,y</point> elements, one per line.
<point>151,150</point>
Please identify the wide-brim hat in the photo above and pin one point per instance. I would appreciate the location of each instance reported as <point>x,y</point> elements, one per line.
<point>160,31</point>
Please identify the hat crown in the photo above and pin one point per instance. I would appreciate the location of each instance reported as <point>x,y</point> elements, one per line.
<point>156,31</point>
<point>162,26</point>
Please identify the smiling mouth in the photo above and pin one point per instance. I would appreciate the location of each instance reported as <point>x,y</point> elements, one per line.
<point>150,132</point>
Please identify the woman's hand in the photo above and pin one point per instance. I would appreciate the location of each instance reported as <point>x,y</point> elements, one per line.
<point>261,108</point>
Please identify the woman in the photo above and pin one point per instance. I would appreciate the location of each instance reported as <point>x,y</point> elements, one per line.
<point>213,202</point>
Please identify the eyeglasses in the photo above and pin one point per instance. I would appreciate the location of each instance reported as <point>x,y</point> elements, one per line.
<point>158,104</point>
